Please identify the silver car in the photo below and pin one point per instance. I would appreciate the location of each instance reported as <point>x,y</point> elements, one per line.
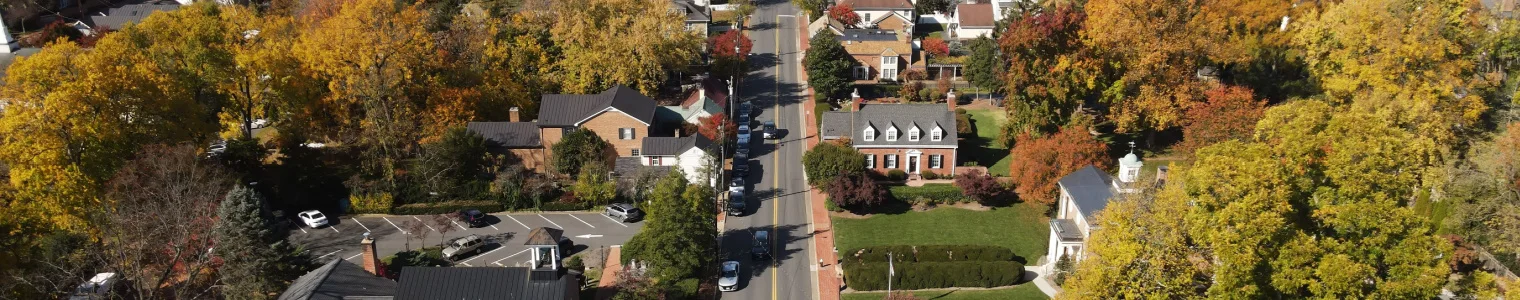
<point>730,280</point>
<point>460,246</point>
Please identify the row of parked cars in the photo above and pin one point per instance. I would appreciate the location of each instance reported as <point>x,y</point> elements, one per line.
<point>760,250</point>
<point>737,188</point>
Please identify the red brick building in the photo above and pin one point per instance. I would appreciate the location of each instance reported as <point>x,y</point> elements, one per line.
<point>913,138</point>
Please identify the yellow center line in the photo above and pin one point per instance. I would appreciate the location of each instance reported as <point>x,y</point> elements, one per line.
<point>776,164</point>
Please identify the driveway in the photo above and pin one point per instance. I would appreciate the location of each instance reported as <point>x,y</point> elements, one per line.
<point>507,231</point>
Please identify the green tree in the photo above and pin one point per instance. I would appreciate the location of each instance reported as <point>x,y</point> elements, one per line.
<point>578,149</point>
<point>742,10</point>
<point>255,260</point>
<point>829,160</point>
<point>593,185</point>
<point>924,7</point>
<point>678,237</point>
<point>828,65</point>
<point>458,159</point>
<point>814,8</point>
<point>984,69</point>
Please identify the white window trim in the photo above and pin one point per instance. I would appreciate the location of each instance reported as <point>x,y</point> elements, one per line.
<point>892,134</point>
<point>891,161</point>
<point>870,161</point>
<point>870,135</point>
<point>937,134</point>
<point>936,161</point>
<point>913,135</point>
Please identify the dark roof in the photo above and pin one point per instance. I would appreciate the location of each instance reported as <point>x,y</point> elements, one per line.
<point>670,146</point>
<point>977,15</point>
<point>559,110</point>
<point>116,18</point>
<point>338,279</point>
<point>628,168</point>
<point>544,236</point>
<point>883,116</point>
<point>507,134</point>
<point>1066,229</point>
<point>483,283</point>
<point>868,35</point>
<point>859,5</point>
<point>1090,190</point>
<point>694,12</point>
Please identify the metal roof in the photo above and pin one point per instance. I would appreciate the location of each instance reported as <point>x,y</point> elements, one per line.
<point>507,134</point>
<point>557,110</point>
<point>484,283</point>
<point>336,280</point>
<point>902,116</point>
<point>671,146</point>
<point>868,35</point>
<point>1090,190</point>
<point>1066,230</point>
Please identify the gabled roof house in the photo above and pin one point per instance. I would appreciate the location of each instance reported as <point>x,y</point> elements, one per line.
<point>914,138</point>
<point>1084,194</point>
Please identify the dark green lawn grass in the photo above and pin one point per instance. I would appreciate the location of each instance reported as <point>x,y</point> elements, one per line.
<point>1021,227</point>
<point>984,148</point>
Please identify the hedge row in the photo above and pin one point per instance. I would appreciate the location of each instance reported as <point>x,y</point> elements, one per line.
<point>376,203</point>
<point>936,193</point>
<point>929,253</point>
<point>447,207</point>
<point>931,275</point>
<point>564,206</point>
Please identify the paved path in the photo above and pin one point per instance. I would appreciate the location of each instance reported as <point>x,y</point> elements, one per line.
<point>606,288</point>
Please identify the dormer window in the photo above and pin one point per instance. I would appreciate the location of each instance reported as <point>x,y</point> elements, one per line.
<point>913,134</point>
<point>892,134</point>
<point>936,134</point>
<point>870,134</point>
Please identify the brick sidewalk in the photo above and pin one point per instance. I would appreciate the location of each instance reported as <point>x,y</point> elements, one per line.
<point>823,228</point>
<point>614,263</point>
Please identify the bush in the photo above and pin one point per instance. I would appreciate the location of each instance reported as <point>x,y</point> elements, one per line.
<point>963,124</point>
<point>831,206</point>
<point>564,206</point>
<point>575,263</point>
<point>929,253</point>
<point>425,257</point>
<point>930,175</point>
<point>447,207</point>
<point>376,203</point>
<point>937,193</point>
<point>960,111</point>
<point>897,175</point>
<point>929,275</point>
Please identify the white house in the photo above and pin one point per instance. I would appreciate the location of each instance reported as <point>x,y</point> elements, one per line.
<point>972,19</point>
<point>873,12</point>
<point>1084,193</point>
<point>689,154</point>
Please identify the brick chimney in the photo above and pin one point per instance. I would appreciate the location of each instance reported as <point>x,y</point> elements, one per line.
<point>856,100</point>
<point>371,262</point>
<point>512,116</point>
<point>950,98</point>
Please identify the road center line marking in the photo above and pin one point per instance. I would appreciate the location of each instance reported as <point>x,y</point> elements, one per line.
<point>483,254</point>
<point>498,262</point>
<point>334,252</point>
<point>615,221</point>
<point>355,255</point>
<point>582,221</point>
<point>556,225</point>
<point>393,224</point>
<point>425,224</point>
<point>361,224</point>
<point>525,226</point>
<point>776,163</point>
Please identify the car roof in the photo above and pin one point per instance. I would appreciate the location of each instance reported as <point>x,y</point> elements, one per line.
<point>311,211</point>
<point>734,265</point>
<point>622,205</point>
<point>762,233</point>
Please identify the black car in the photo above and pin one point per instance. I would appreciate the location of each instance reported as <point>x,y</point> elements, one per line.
<point>761,249</point>
<point>474,218</point>
<point>741,168</point>
<point>735,203</point>
<point>769,130</point>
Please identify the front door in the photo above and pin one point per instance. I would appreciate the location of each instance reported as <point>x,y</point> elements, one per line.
<point>913,164</point>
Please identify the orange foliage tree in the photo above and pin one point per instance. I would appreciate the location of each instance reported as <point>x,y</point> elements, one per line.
<point>844,13</point>
<point>1230,112</point>
<point>1038,162</point>
<point>711,125</point>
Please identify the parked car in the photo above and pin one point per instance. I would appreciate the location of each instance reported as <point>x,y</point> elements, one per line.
<point>623,212</point>
<point>745,109</point>
<point>474,218</point>
<point>216,149</point>
<point>741,153</point>
<point>769,131</point>
<point>735,203</point>
<point>762,248</point>
<point>730,280</point>
<point>460,246</point>
<point>736,185</point>
<point>98,287</point>
<point>741,168</point>
<point>743,134</point>
<point>741,117</point>
<point>313,218</point>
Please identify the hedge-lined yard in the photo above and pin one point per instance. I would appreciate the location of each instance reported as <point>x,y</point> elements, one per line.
<point>1018,292</point>
<point>1021,227</point>
<point>929,253</point>
<point>872,276</point>
<point>934,192</point>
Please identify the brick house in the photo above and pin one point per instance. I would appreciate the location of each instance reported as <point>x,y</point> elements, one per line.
<point>620,115</point>
<point>913,138</point>
<point>873,12</point>
<point>883,53</point>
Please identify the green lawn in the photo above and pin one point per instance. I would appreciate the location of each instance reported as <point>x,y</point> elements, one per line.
<point>1021,227</point>
<point>1019,292</point>
<point>984,148</point>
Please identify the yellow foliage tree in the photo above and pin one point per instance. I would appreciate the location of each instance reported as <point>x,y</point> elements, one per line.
<point>628,42</point>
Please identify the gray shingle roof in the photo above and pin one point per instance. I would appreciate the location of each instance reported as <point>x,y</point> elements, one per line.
<point>628,168</point>
<point>1090,190</point>
<point>116,18</point>
<point>507,134</point>
<point>694,12</point>
<point>558,110</point>
<point>338,279</point>
<point>670,146</point>
<point>884,116</point>
<point>482,283</point>
<point>544,236</point>
<point>1066,229</point>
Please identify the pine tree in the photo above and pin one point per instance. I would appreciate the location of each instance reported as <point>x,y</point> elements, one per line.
<point>255,259</point>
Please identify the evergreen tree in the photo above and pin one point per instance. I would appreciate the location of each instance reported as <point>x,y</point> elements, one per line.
<point>828,65</point>
<point>255,260</point>
<point>983,69</point>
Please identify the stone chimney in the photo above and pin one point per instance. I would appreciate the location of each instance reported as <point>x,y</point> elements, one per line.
<point>950,98</point>
<point>512,116</point>
<point>371,262</point>
<point>855,100</point>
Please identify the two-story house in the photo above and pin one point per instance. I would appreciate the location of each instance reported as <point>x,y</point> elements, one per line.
<point>873,13</point>
<point>883,53</point>
<point>689,154</point>
<point>910,137</point>
<point>620,115</point>
<point>1084,194</point>
<point>698,15</point>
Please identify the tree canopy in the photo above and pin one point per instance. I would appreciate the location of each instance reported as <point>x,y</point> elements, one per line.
<point>828,65</point>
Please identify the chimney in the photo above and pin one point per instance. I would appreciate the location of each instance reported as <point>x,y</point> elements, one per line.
<point>371,262</point>
<point>1161,175</point>
<point>950,98</point>
<point>512,117</point>
<point>855,100</point>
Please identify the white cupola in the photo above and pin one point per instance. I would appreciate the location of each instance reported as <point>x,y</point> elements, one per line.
<point>1129,166</point>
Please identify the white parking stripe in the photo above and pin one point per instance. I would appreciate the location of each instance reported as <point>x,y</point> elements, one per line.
<point>615,221</point>
<point>556,225</point>
<point>465,264</point>
<point>361,224</point>
<point>483,254</point>
<point>525,226</point>
<point>493,226</point>
<point>334,252</point>
<point>355,255</point>
<point>582,221</point>
<point>425,224</point>
<point>302,228</point>
<point>334,228</point>
<point>393,224</point>
<point>498,262</point>
<point>461,227</point>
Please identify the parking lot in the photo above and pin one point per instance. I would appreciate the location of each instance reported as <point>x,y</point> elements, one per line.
<point>505,235</point>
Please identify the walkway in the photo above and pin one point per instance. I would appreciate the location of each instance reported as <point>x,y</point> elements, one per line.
<point>829,280</point>
<point>608,285</point>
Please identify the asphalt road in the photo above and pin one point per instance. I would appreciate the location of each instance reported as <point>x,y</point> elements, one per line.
<point>777,190</point>
<point>587,231</point>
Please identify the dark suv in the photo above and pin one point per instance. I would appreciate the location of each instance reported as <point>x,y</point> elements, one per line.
<point>735,203</point>
<point>474,218</point>
<point>761,249</point>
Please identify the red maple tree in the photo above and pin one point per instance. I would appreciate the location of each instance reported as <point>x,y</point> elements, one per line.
<point>936,47</point>
<point>1038,162</point>
<point>722,45</point>
<point>710,125</point>
<point>978,185</point>
<point>1230,112</point>
<point>844,13</point>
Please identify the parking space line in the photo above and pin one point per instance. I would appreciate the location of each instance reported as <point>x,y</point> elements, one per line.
<point>334,252</point>
<point>465,264</point>
<point>615,221</point>
<point>461,227</point>
<point>525,226</point>
<point>483,254</point>
<point>393,224</point>
<point>334,227</point>
<point>498,262</point>
<point>355,255</point>
<point>582,221</point>
<point>361,224</point>
<point>493,226</point>
<point>424,223</point>
<point>303,229</point>
<point>556,225</point>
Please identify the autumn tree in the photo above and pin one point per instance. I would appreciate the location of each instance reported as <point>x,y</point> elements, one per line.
<point>1228,113</point>
<point>829,67</point>
<point>742,10</point>
<point>593,186</point>
<point>936,47</point>
<point>628,42</point>
<point>829,160</point>
<point>1040,161</point>
<point>845,14</point>
<point>163,255</point>
<point>578,149</point>
<point>1047,69</point>
<point>718,127</point>
<point>978,185</point>
<point>1485,194</point>
<point>814,8</point>
<point>856,190</point>
<point>265,81</point>
<point>728,64</point>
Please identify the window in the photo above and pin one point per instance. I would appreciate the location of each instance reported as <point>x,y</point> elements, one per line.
<point>934,161</point>
<point>870,161</point>
<point>625,133</point>
<point>862,73</point>
<point>566,130</point>
<point>870,134</point>
<point>891,161</point>
<point>913,135</point>
<point>892,134</point>
<point>654,161</point>
<point>937,134</point>
<point>636,152</point>
<point>867,18</point>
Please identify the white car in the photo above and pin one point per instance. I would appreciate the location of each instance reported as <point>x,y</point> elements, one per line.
<point>313,218</point>
<point>730,280</point>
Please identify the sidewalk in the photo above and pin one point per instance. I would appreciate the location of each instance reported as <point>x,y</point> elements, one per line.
<point>823,228</point>
<point>1040,281</point>
<point>614,263</point>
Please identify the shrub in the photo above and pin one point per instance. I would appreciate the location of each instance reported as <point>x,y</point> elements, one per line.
<point>978,185</point>
<point>963,124</point>
<point>929,253</point>
<point>575,263</point>
<point>928,275</point>
<point>831,206</point>
<point>564,206</point>
<point>425,257</point>
<point>960,111</point>
<point>376,203</point>
<point>447,207</point>
<point>856,190</point>
<point>897,175</point>
<point>930,175</point>
<point>938,193</point>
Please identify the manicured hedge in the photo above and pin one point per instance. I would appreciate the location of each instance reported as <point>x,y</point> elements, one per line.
<point>938,193</point>
<point>563,206</point>
<point>929,275</point>
<point>447,207</point>
<point>929,253</point>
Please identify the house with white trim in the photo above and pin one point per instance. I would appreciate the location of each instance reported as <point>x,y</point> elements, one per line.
<point>620,115</point>
<point>914,138</point>
<point>1084,194</point>
<point>690,154</point>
